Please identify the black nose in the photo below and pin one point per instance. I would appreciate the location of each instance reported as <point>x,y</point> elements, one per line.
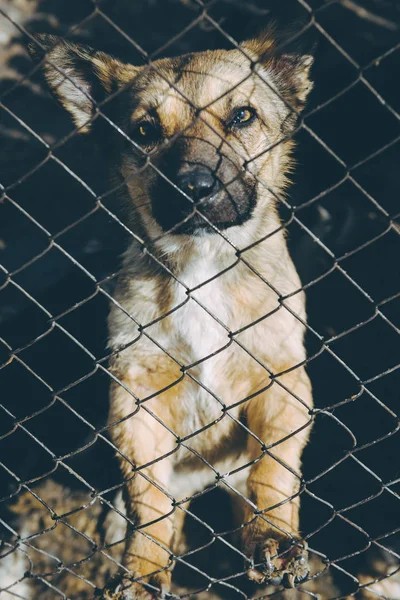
<point>198,183</point>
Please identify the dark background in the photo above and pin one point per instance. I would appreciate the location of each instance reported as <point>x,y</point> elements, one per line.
<point>345,194</point>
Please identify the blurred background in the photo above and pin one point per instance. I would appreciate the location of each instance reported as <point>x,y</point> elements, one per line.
<point>344,237</point>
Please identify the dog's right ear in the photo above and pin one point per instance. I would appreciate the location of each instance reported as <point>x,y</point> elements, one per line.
<point>79,76</point>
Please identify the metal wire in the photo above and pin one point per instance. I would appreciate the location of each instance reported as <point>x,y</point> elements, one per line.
<point>23,542</point>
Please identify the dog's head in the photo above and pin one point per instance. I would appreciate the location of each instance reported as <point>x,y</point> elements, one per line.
<point>202,140</point>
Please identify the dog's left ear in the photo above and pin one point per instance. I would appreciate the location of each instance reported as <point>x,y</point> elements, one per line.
<point>290,70</point>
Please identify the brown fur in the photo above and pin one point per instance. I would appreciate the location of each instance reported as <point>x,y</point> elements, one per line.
<point>173,413</point>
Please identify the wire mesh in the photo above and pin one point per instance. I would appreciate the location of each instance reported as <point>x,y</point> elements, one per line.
<point>63,521</point>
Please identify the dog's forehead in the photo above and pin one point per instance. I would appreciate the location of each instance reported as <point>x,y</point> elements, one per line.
<point>209,76</point>
<point>214,79</point>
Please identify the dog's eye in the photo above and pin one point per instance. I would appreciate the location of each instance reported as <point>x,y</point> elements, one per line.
<point>243,116</point>
<point>145,133</point>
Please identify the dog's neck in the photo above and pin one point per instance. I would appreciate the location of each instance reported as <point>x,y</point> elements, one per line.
<point>196,258</point>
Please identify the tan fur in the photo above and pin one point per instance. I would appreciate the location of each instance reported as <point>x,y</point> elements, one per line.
<point>183,382</point>
<point>276,341</point>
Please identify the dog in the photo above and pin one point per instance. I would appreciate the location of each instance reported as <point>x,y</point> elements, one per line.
<point>207,325</point>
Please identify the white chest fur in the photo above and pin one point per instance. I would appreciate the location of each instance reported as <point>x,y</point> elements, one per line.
<point>202,322</point>
<point>197,321</point>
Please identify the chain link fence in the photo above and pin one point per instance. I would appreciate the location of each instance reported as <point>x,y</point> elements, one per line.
<point>62,230</point>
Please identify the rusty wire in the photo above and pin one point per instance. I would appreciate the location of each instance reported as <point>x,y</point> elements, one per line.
<point>23,543</point>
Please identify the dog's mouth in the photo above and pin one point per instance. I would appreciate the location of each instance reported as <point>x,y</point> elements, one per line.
<point>195,217</point>
<point>177,214</point>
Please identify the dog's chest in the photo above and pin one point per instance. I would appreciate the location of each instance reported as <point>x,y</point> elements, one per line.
<point>202,320</point>
<point>200,334</point>
<point>218,326</point>
<point>197,334</point>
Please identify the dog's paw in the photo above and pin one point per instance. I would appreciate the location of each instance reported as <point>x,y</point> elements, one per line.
<point>275,565</point>
<point>128,590</point>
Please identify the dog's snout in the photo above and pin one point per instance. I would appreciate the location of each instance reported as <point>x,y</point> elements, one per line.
<point>198,183</point>
<point>200,198</point>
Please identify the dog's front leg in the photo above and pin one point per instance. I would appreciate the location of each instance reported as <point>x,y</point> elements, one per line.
<point>274,479</point>
<point>142,443</point>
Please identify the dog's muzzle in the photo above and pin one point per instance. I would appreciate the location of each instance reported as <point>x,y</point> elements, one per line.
<point>186,203</point>
<point>198,200</point>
